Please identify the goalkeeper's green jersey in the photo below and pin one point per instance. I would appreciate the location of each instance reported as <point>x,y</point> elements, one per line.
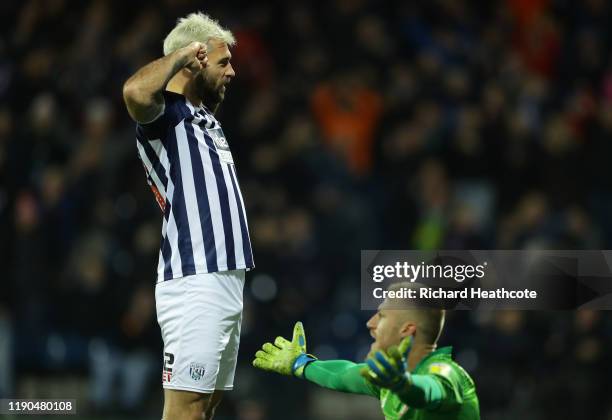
<point>441,389</point>
<point>458,401</point>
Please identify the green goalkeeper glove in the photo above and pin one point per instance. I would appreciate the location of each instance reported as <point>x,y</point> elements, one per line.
<point>284,356</point>
<point>389,369</point>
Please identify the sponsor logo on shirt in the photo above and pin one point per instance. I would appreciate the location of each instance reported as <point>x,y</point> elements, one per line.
<point>221,144</point>
<point>441,369</point>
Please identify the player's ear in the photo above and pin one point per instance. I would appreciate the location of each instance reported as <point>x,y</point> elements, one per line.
<point>408,328</point>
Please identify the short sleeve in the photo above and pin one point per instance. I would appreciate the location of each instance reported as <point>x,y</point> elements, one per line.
<point>169,117</point>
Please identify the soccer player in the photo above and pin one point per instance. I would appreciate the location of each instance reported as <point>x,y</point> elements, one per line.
<point>404,370</point>
<point>205,245</point>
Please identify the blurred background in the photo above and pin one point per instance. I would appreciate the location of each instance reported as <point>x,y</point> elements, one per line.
<point>355,124</point>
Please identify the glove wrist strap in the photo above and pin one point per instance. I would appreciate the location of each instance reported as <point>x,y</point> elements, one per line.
<point>403,385</point>
<point>300,363</point>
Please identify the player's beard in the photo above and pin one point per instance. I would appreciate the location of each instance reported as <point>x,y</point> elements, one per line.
<point>212,94</point>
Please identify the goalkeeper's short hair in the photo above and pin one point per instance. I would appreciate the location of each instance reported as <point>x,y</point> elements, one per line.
<point>430,320</point>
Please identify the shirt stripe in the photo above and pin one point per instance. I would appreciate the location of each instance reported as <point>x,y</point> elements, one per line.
<point>236,228</point>
<point>166,248</point>
<point>206,223</point>
<point>223,204</point>
<point>246,240</point>
<point>159,180</point>
<point>190,194</point>
<point>179,207</point>
<point>146,151</point>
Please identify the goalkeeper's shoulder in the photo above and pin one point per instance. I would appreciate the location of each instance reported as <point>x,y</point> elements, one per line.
<point>457,384</point>
<point>449,370</point>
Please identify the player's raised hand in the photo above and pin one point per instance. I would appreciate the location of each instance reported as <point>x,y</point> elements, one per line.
<point>284,356</point>
<point>196,56</point>
<point>388,369</point>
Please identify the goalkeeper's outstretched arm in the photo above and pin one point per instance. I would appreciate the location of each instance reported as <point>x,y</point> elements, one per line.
<point>424,391</point>
<point>290,358</point>
<point>339,375</point>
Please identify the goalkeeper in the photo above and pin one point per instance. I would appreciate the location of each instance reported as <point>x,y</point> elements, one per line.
<point>403,370</point>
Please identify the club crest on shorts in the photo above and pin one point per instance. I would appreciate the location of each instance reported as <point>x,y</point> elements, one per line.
<point>196,370</point>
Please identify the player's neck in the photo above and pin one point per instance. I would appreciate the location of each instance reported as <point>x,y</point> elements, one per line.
<point>212,106</point>
<point>418,353</point>
<point>180,83</point>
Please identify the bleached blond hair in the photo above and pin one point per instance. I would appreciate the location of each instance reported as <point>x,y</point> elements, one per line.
<point>196,27</point>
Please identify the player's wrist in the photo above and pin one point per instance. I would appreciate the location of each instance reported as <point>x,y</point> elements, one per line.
<point>183,57</point>
<point>403,385</point>
<point>300,363</point>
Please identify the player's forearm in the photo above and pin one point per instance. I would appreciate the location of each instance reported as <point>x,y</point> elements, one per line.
<point>339,375</point>
<point>143,92</point>
<point>424,391</point>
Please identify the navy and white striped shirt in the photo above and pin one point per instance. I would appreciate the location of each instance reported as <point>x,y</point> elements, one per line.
<point>191,171</point>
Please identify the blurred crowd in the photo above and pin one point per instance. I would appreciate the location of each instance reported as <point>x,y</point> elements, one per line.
<point>355,124</point>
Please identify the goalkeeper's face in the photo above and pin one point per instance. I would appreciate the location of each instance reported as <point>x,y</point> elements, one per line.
<point>387,328</point>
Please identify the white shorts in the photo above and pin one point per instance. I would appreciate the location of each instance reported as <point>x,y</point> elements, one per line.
<point>200,318</point>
